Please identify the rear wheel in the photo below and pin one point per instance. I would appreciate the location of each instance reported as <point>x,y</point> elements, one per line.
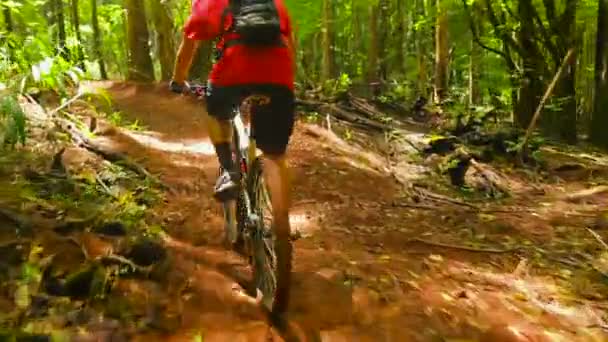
<point>271,258</point>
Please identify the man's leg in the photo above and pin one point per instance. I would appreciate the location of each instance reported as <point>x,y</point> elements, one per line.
<point>272,126</point>
<point>219,109</point>
<point>276,175</point>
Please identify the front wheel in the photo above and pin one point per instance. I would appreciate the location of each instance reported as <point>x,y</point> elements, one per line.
<point>271,258</point>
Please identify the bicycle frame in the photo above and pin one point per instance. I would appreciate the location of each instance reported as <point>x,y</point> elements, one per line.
<point>245,152</point>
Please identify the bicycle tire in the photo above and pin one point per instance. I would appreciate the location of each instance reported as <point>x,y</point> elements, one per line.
<point>264,246</point>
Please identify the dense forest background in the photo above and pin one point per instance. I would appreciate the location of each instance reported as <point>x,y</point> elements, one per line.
<point>457,53</point>
<point>449,157</point>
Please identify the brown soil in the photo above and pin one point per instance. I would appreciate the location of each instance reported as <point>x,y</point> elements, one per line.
<point>358,276</point>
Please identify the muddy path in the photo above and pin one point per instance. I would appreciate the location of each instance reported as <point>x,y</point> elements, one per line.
<point>358,276</point>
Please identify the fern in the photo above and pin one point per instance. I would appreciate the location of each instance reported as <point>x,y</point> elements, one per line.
<point>12,122</point>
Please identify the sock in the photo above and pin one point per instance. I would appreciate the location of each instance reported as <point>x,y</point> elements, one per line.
<point>224,156</point>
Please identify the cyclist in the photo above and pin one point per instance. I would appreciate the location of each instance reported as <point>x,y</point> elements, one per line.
<point>256,56</point>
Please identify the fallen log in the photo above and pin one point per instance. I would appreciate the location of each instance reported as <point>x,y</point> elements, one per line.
<point>81,140</point>
<point>342,113</point>
<point>364,107</point>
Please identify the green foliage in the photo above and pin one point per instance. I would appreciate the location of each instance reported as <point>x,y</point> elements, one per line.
<point>337,86</point>
<point>12,121</point>
<point>54,74</point>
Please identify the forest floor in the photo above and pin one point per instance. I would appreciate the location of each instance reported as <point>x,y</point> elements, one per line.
<point>370,265</point>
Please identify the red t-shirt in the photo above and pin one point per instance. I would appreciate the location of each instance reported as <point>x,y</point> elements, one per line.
<point>241,64</point>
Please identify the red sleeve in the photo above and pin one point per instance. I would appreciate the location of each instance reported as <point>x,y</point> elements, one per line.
<point>204,21</point>
<point>285,19</point>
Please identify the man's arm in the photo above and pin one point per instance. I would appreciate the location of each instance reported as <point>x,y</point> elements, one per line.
<point>183,60</point>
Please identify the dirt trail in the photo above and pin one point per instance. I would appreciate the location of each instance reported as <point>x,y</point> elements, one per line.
<point>356,276</point>
<point>321,301</point>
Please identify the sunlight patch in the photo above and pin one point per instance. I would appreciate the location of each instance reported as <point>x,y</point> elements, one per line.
<point>303,223</point>
<point>204,147</point>
<point>515,297</point>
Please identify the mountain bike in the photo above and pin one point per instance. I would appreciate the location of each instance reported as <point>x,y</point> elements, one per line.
<point>248,219</point>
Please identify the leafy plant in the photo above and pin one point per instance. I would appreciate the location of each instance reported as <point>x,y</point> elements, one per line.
<point>55,74</point>
<point>12,121</point>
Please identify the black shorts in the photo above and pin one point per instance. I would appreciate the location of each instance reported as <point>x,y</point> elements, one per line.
<point>272,123</point>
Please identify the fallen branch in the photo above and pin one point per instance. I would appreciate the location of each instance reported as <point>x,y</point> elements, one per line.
<point>66,104</point>
<point>105,187</point>
<point>81,140</point>
<point>463,248</point>
<point>587,193</point>
<point>524,145</point>
<point>598,238</point>
<point>124,261</point>
<point>440,198</point>
<point>416,206</point>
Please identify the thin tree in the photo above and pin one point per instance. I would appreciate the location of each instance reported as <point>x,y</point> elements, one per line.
<point>327,37</point>
<point>164,37</point>
<point>60,22</point>
<point>140,61</point>
<point>599,121</point>
<point>8,18</point>
<point>97,41</point>
<point>441,52</point>
<point>76,27</point>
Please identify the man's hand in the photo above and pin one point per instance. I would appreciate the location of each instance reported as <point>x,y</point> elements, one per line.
<point>176,87</point>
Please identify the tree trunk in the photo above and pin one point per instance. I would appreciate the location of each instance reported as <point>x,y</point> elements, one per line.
<point>140,62</point>
<point>561,122</point>
<point>532,85</point>
<point>400,36</point>
<point>357,43</point>
<point>372,57</point>
<point>383,32</point>
<point>585,80</point>
<point>441,53</point>
<point>421,51</point>
<point>474,60</point>
<point>599,120</point>
<point>327,37</point>
<point>76,28</point>
<point>164,35</point>
<point>97,41</point>
<point>8,18</point>
<point>61,36</point>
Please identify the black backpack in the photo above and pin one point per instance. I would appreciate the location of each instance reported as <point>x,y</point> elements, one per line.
<point>256,22</point>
